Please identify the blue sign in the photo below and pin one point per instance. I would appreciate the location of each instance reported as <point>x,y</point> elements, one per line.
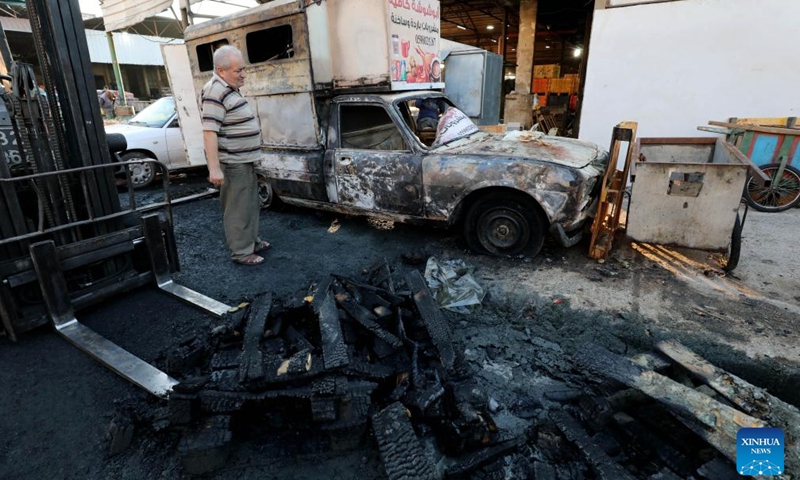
<point>759,451</point>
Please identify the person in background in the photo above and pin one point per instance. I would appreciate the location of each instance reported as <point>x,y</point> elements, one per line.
<point>232,141</point>
<point>106,100</point>
<point>429,111</point>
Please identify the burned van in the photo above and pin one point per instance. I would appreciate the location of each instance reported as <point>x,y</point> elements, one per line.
<point>338,86</point>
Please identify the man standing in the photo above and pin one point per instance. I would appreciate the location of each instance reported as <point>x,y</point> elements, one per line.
<point>232,140</point>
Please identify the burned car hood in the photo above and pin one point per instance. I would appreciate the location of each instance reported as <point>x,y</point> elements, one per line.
<point>559,150</point>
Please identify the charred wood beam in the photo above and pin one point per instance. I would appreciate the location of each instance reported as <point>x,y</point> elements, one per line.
<point>369,371</point>
<point>334,351</point>
<point>400,449</point>
<point>605,467</point>
<point>748,397</point>
<point>482,458</point>
<point>367,320</point>
<point>390,297</point>
<point>708,411</point>
<point>297,364</point>
<point>323,287</point>
<point>422,400</point>
<point>330,386</point>
<point>251,366</point>
<point>434,320</point>
<point>381,276</point>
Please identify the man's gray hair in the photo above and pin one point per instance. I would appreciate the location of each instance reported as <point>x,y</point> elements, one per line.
<point>223,56</point>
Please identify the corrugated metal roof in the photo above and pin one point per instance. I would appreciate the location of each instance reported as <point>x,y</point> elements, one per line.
<point>131,49</point>
<point>119,14</point>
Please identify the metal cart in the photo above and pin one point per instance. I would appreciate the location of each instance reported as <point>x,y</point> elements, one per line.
<point>774,145</point>
<point>687,192</point>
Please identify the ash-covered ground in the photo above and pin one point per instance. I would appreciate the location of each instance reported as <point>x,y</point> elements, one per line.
<point>58,403</point>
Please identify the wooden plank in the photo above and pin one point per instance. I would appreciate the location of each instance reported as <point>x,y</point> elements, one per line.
<point>755,128</point>
<point>678,140</point>
<point>435,323</point>
<point>765,122</point>
<point>400,449</point>
<point>747,143</point>
<point>748,397</point>
<point>334,351</point>
<point>720,130</point>
<point>251,366</point>
<point>367,320</point>
<point>760,177</point>
<point>609,210</point>
<point>706,410</point>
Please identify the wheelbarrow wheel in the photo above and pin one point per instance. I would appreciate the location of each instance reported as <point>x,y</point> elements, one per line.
<point>736,246</point>
<point>783,194</point>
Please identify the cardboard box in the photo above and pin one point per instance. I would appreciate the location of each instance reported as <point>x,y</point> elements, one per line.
<point>547,71</point>
<point>540,85</point>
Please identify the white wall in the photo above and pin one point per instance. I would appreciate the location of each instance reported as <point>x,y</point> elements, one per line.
<point>674,66</point>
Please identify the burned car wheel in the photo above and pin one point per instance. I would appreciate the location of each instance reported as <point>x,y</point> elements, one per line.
<point>502,225</point>
<point>265,194</point>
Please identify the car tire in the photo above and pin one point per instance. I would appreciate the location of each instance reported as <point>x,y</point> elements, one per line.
<point>142,174</point>
<point>504,225</point>
<point>266,194</point>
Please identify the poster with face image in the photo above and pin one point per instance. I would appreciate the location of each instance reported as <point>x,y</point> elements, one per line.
<point>414,44</point>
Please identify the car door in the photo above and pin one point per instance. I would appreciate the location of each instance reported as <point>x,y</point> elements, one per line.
<point>175,147</point>
<point>374,166</point>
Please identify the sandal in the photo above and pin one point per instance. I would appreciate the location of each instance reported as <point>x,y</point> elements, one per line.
<point>264,245</point>
<point>250,260</point>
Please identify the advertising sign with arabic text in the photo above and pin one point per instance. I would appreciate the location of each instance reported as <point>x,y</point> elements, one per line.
<point>414,60</point>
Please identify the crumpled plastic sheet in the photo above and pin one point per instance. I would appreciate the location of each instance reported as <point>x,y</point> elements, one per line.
<point>453,285</point>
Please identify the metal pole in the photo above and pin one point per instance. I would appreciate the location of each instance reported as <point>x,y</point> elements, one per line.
<point>115,64</point>
<point>504,53</point>
<point>189,14</point>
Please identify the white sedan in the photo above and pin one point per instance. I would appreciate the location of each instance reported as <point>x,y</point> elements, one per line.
<point>152,133</point>
<point>155,133</point>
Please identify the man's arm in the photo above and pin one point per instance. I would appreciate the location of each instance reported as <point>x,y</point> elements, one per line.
<point>213,114</point>
<point>215,175</point>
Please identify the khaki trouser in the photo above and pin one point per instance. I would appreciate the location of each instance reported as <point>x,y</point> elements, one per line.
<point>240,208</point>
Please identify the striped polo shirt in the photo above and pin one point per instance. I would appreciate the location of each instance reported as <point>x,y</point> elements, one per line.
<point>227,112</point>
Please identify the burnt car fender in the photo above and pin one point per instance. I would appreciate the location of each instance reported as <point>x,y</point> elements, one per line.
<point>447,182</point>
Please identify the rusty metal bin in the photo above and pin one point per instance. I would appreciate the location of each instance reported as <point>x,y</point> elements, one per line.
<point>686,192</point>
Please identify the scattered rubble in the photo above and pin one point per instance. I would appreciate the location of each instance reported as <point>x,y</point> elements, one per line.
<point>374,363</point>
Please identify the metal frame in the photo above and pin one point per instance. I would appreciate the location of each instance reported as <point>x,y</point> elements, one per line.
<point>62,316</point>
<point>85,188</point>
<point>79,219</point>
<point>163,277</point>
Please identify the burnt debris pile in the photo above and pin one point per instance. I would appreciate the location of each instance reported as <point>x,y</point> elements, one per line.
<point>374,363</point>
<point>349,359</point>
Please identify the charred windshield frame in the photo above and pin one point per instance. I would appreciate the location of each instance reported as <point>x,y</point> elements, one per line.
<point>403,109</point>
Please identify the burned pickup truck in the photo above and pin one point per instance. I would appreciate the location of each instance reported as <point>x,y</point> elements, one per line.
<point>340,128</point>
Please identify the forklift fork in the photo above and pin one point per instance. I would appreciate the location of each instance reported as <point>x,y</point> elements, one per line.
<point>62,314</point>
